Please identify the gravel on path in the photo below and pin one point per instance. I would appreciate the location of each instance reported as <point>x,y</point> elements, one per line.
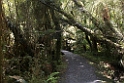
<point>78,70</point>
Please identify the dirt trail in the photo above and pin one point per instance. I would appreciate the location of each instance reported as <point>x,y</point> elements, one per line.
<point>78,70</point>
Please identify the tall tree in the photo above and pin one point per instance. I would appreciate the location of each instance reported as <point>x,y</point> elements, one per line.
<point>2,42</point>
<point>1,50</point>
<point>58,36</point>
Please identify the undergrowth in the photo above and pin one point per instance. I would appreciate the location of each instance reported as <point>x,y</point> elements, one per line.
<point>35,70</point>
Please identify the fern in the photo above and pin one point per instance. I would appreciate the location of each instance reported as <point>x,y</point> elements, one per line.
<point>53,78</point>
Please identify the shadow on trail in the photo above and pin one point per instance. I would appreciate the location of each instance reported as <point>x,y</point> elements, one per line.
<point>78,70</point>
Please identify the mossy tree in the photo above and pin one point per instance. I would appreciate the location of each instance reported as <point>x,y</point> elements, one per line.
<point>1,49</point>
<point>37,34</point>
<point>2,43</point>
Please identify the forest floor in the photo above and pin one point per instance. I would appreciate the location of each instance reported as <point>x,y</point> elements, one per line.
<point>79,70</point>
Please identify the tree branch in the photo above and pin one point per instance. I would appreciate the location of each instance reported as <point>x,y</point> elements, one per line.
<point>70,20</point>
<point>119,36</point>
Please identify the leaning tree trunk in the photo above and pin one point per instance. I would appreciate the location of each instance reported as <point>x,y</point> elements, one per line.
<point>105,37</point>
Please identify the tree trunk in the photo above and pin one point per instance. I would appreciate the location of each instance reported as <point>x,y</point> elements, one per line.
<point>94,45</point>
<point>88,40</point>
<point>58,36</point>
<point>1,42</point>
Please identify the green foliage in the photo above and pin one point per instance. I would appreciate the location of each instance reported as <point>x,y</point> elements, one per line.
<point>36,80</point>
<point>40,26</point>
<point>52,78</point>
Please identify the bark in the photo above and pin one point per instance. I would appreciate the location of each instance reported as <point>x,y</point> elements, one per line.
<point>1,51</point>
<point>2,28</point>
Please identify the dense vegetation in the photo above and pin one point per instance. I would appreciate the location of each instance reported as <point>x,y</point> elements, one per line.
<point>33,32</point>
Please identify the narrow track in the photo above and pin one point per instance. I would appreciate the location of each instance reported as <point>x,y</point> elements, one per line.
<point>78,70</point>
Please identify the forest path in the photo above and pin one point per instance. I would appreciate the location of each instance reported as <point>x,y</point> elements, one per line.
<point>78,70</point>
